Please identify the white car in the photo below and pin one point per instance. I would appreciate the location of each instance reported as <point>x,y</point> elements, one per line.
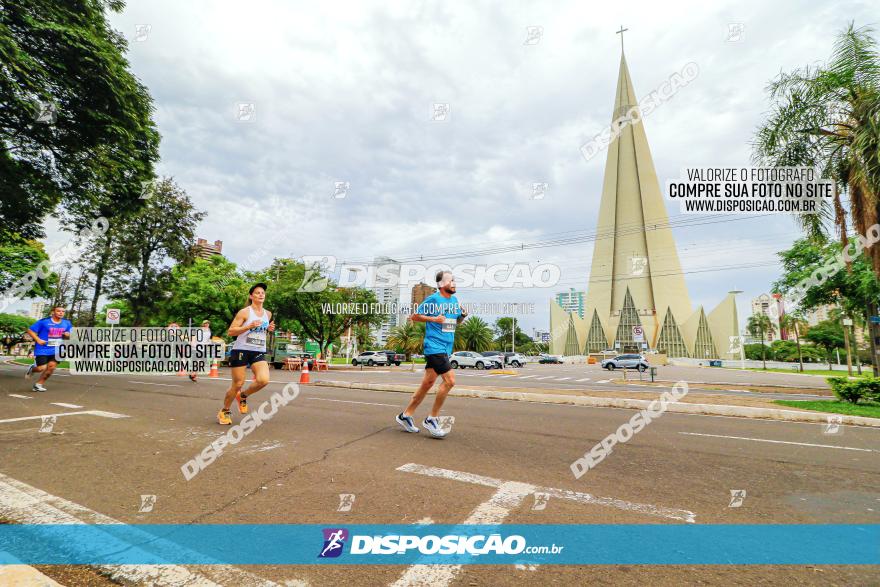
<point>370,358</point>
<point>476,360</point>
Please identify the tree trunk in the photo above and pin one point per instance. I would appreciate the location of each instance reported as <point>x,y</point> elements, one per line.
<point>797,339</point>
<point>873,332</point>
<point>763,351</point>
<point>100,270</point>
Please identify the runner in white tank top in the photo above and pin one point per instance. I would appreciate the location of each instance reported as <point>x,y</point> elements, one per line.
<point>249,327</point>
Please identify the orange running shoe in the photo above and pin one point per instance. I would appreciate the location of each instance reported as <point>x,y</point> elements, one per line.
<point>242,402</point>
<point>224,417</point>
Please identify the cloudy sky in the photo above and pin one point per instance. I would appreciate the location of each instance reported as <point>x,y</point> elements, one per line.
<point>344,91</point>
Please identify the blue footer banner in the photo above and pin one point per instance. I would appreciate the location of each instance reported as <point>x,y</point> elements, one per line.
<point>283,544</point>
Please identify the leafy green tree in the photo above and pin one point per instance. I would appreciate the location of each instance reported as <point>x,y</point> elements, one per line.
<point>207,289</point>
<point>12,330</point>
<point>759,325</point>
<point>312,312</point>
<point>163,229</point>
<point>19,258</point>
<point>73,118</point>
<point>475,334</point>
<point>407,338</point>
<point>828,335</point>
<point>503,328</point>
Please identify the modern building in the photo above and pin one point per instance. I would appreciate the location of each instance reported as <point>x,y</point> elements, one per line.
<point>572,301</point>
<point>772,306</point>
<point>38,310</point>
<point>420,291</point>
<point>637,298</point>
<point>387,289</point>
<point>205,250</point>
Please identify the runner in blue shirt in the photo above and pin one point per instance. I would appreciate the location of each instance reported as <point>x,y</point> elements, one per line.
<point>48,334</point>
<point>441,313</point>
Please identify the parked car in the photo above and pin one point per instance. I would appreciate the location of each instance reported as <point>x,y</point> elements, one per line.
<point>370,358</point>
<point>515,359</point>
<point>394,358</point>
<point>476,360</point>
<point>626,362</point>
<point>549,359</point>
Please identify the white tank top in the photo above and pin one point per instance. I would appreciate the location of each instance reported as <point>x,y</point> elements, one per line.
<point>254,339</point>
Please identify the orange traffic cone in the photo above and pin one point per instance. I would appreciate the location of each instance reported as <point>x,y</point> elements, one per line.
<point>213,372</point>
<point>304,375</point>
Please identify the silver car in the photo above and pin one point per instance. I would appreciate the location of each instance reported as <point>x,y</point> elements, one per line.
<point>370,358</point>
<point>476,360</point>
<point>626,362</point>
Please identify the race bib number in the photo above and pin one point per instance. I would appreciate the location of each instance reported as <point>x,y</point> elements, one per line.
<point>53,342</point>
<point>256,338</point>
<point>449,324</point>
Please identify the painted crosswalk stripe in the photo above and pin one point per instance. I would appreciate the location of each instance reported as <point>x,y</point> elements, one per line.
<point>562,378</point>
<point>28,505</point>
<point>63,405</point>
<point>20,396</point>
<point>584,379</point>
<point>99,413</point>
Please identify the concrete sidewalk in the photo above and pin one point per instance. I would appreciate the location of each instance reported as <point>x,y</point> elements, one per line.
<point>693,403</point>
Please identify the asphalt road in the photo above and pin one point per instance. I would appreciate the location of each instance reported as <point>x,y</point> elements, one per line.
<point>332,441</point>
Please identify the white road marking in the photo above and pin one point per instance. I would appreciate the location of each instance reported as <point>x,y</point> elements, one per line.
<point>63,405</point>
<point>20,396</point>
<point>348,401</point>
<point>528,376</point>
<point>584,379</point>
<point>780,442</point>
<point>547,377</point>
<point>586,498</point>
<point>604,381</point>
<point>28,505</point>
<point>562,378</point>
<point>509,495</point>
<point>153,383</point>
<point>100,413</point>
<point>263,448</point>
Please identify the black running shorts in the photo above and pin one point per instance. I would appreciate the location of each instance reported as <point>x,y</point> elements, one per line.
<point>240,358</point>
<point>43,359</point>
<point>439,363</point>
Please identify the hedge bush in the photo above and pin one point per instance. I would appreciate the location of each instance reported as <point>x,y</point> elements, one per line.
<point>867,388</point>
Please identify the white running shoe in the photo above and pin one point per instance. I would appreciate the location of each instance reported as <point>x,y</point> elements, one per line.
<point>38,387</point>
<point>30,370</point>
<point>406,422</point>
<point>432,425</point>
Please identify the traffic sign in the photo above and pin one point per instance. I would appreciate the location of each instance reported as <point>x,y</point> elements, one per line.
<point>875,319</point>
<point>638,334</point>
<point>113,315</point>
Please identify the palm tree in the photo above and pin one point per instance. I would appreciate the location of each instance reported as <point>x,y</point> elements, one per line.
<point>407,338</point>
<point>363,336</point>
<point>828,117</point>
<point>757,325</point>
<point>474,334</point>
<point>796,323</point>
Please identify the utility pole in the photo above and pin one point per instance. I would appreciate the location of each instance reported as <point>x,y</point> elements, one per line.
<point>847,322</point>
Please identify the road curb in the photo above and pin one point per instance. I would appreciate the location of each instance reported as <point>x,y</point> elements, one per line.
<point>634,404</point>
